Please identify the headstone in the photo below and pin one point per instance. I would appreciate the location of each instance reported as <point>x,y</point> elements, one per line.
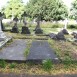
<point>38,30</point>
<point>15,28</point>
<point>25,30</point>
<point>75,35</point>
<point>65,31</point>
<point>60,36</point>
<point>53,36</point>
<point>2,35</point>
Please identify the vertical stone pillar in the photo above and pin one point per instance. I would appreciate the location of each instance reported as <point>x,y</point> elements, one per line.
<point>66,23</point>
<point>2,35</point>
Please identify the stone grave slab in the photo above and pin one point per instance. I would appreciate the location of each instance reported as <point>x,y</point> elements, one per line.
<point>41,50</point>
<point>14,51</point>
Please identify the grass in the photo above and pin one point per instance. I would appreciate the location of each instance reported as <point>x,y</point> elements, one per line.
<point>24,68</point>
<point>47,64</point>
<point>24,36</point>
<point>65,50</point>
<point>47,68</point>
<point>46,27</point>
<point>27,48</point>
<point>2,64</point>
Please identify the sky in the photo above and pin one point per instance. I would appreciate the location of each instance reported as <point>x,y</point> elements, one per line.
<point>67,2</point>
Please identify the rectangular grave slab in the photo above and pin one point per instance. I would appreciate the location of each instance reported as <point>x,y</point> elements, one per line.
<point>15,51</point>
<point>40,50</point>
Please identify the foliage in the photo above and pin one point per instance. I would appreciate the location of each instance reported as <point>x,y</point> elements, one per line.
<point>27,52</point>
<point>47,64</point>
<point>14,8</point>
<point>63,49</point>
<point>72,26</point>
<point>28,48</point>
<point>12,65</point>
<point>74,10</point>
<point>2,63</point>
<point>46,9</point>
<point>67,62</point>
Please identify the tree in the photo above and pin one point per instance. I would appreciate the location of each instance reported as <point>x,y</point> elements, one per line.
<point>14,8</point>
<point>74,10</point>
<point>46,9</point>
<point>60,11</point>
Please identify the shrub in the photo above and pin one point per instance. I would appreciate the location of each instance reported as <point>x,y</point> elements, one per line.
<point>26,52</point>
<point>2,63</point>
<point>47,64</point>
<point>12,65</point>
<point>72,26</point>
<point>67,62</point>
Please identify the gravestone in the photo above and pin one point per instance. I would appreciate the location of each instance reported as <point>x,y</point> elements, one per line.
<point>52,36</point>
<point>2,35</point>
<point>38,30</point>
<point>15,28</point>
<point>65,31</point>
<point>40,50</point>
<point>25,29</point>
<point>60,36</point>
<point>75,35</point>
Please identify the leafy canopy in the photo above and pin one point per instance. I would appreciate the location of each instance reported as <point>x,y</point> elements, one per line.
<point>47,9</point>
<point>74,10</point>
<point>14,8</point>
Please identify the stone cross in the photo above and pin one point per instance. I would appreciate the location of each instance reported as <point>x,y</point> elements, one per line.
<point>66,23</point>
<point>24,21</point>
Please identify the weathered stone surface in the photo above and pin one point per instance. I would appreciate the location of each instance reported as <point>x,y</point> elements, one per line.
<point>38,31</point>
<point>2,43</point>
<point>52,35</point>
<point>2,26</point>
<point>40,50</point>
<point>14,51</point>
<point>25,30</point>
<point>2,35</point>
<point>65,31</point>
<point>75,35</point>
<point>15,29</point>
<point>60,36</point>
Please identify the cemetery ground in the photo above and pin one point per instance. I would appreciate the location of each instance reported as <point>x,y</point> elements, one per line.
<point>66,51</point>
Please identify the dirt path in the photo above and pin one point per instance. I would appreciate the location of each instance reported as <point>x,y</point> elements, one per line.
<point>25,75</point>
